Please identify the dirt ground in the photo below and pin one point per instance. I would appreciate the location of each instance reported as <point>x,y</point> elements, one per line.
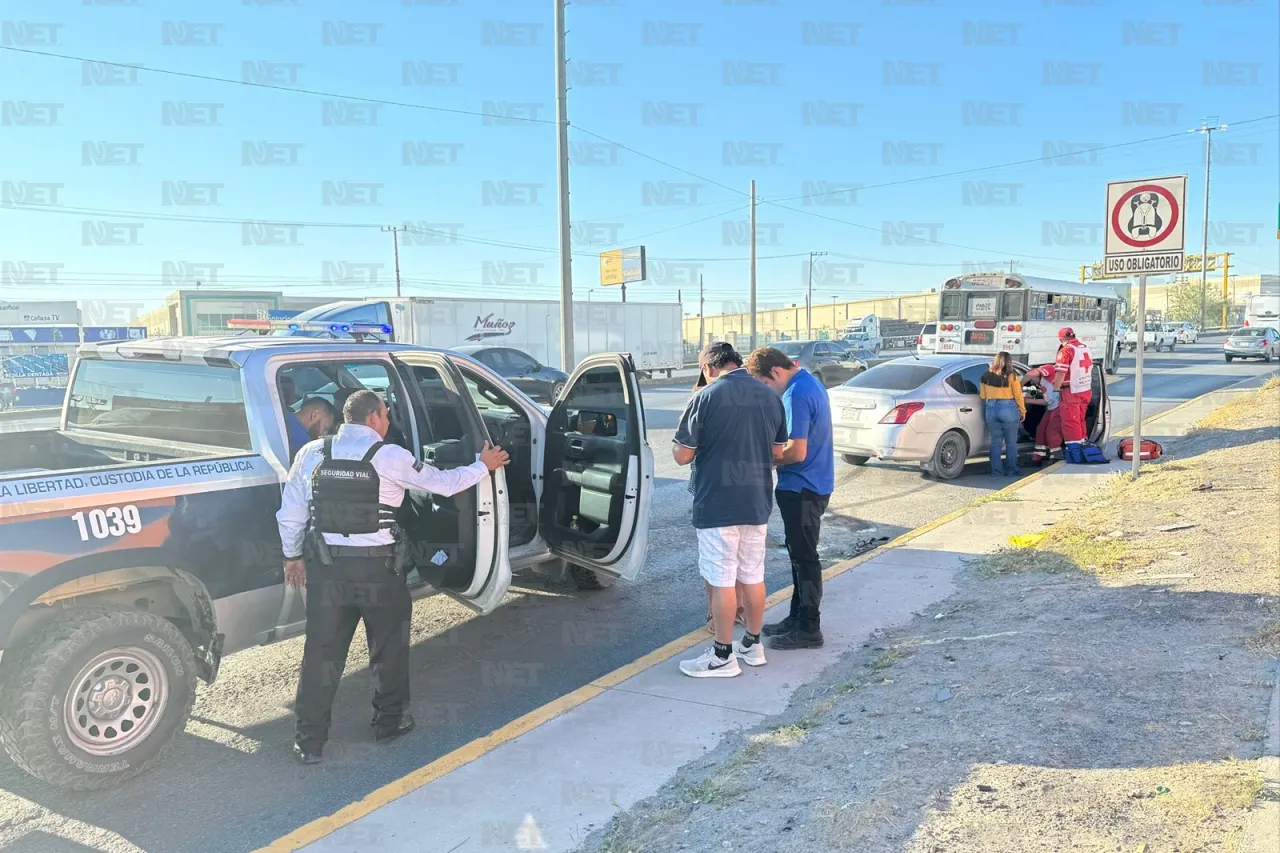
<point>1103,691</point>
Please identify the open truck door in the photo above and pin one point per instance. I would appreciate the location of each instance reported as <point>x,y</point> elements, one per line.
<point>1098,412</point>
<point>598,470</point>
<point>459,543</point>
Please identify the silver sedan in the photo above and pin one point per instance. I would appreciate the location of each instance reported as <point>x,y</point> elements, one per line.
<point>1252,342</point>
<point>927,410</point>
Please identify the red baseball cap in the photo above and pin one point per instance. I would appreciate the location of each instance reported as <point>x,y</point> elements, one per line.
<point>1066,333</point>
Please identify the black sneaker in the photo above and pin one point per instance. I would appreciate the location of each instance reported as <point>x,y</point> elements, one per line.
<point>307,755</point>
<point>402,727</point>
<point>795,639</point>
<point>773,629</point>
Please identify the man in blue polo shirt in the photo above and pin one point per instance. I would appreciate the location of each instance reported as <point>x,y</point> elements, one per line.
<point>732,431</point>
<point>806,479</point>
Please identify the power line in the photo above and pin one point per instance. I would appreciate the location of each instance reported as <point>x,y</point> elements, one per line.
<point>209,78</point>
<point>1012,163</point>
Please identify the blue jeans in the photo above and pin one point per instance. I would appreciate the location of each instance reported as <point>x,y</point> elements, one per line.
<point>1003,418</point>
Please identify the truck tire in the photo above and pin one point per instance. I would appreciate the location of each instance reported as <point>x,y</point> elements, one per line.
<point>854,459</point>
<point>1111,368</point>
<point>949,456</point>
<point>1172,344</point>
<point>96,697</point>
<point>589,579</point>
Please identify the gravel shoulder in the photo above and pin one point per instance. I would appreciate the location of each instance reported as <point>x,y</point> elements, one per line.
<point>1104,690</point>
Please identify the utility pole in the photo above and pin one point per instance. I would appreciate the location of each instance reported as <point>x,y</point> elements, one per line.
<point>808,305</point>
<point>752,300</point>
<point>702,316</point>
<point>562,180</point>
<point>395,244</point>
<point>1204,242</point>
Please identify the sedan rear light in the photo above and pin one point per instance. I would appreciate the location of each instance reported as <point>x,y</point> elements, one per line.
<point>901,413</point>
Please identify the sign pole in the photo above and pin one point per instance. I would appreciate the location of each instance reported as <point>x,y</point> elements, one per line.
<point>1137,375</point>
<point>752,300</point>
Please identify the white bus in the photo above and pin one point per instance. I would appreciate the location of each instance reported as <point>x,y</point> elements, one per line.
<point>984,314</point>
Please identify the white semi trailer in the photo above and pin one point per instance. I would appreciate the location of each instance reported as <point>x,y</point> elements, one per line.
<point>651,332</point>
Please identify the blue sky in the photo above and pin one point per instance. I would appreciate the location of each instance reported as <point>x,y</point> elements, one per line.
<point>927,122</point>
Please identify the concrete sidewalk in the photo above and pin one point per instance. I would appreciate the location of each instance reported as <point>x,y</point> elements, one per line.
<point>548,780</point>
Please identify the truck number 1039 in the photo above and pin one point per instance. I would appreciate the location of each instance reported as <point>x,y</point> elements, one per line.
<point>110,522</point>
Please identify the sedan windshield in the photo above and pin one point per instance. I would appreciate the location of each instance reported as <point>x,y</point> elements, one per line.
<point>894,376</point>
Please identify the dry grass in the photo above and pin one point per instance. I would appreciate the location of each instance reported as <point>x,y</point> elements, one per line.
<point>1197,806</point>
<point>1013,561</point>
<point>1267,641</point>
<point>1229,469</point>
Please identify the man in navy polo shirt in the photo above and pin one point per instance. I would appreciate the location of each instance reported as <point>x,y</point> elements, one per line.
<point>735,429</point>
<point>806,479</point>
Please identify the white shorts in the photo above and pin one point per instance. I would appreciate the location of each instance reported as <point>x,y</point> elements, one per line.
<point>729,555</point>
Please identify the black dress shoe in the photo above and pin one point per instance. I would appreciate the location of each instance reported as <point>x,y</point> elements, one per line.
<point>402,727</point>
<point>796,638</point>
<point>305,755</point>
<point>773,629</point>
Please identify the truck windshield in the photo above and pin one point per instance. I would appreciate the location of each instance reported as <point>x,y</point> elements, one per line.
<point>191,403</point>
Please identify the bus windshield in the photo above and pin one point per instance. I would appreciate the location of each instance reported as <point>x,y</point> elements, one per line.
<point>981,306</point>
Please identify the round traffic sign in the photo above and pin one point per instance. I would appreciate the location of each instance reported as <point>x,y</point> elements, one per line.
<point>1144,216</point>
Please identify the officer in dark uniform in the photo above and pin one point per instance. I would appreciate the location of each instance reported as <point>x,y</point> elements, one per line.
<point>339,504</point>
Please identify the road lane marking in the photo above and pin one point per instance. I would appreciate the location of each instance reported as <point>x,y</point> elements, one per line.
<point>321,827</point>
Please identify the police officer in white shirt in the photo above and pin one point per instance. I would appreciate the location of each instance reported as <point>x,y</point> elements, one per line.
<point>339,506</point>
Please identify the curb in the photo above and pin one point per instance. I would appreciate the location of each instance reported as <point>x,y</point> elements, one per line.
<point>321,827</point>
<point>31,412</point>
<point>317,829</point>
<point>1264,377</point>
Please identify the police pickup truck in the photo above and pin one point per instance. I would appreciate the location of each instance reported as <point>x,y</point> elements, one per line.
<point>138,542</point>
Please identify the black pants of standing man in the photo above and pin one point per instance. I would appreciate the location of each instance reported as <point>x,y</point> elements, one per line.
<point>338,597</point>
<point>802,520</point>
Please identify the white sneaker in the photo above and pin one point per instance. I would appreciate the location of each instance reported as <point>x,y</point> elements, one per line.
<point>710,666</point>
<point>753,656</point>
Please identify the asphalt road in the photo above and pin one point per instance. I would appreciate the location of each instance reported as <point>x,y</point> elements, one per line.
<point>230,784</point>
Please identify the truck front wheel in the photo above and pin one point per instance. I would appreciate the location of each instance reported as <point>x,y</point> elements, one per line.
<point>96,697</point>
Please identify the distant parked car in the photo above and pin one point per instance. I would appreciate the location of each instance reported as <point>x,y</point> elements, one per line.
<point>1254,342</point>
<point>538,381</point>
<point>830,361</point>
<point>1187,333</point>
<point>928,340</point>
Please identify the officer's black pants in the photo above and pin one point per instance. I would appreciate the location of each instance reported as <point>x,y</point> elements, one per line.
<point>338,597</point>
<point>802,521</point>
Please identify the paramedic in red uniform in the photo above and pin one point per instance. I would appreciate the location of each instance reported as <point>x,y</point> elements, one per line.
<point>1074,380</point>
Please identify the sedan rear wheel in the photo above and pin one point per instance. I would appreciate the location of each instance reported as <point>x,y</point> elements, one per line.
<point>556,390</point>
<point>949,456</point>
<point>855,459</point>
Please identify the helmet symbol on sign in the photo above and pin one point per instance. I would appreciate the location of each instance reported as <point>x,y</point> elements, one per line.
<point>1144,216</point>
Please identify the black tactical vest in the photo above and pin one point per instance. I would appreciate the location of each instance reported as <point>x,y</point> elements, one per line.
<point>344,495</point>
